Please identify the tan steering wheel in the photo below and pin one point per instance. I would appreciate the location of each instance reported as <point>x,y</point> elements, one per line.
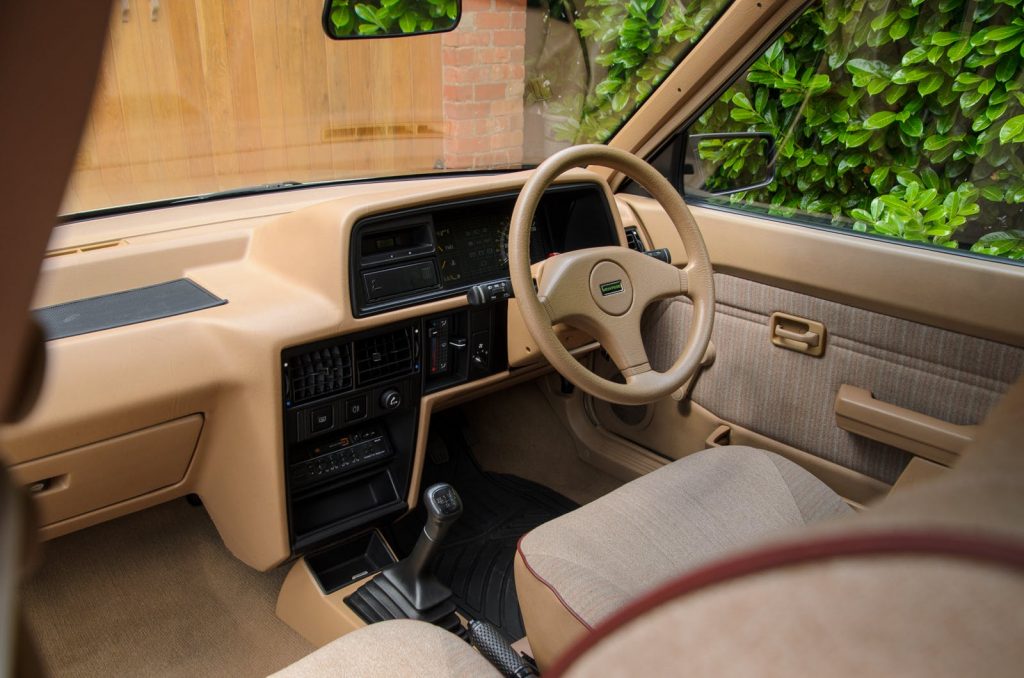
<point>604,290</point>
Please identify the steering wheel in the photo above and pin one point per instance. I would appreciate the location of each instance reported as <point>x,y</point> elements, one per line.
<point>604,290</point>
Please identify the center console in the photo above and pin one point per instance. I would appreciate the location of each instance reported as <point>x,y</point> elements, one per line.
<point>351,409</point>
<point>351,403</point>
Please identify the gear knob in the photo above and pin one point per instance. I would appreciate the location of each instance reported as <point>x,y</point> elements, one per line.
<point>443,507</point>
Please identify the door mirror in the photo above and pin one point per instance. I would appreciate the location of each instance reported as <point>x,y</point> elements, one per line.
<point>728,162</point>
<point>346,19</point>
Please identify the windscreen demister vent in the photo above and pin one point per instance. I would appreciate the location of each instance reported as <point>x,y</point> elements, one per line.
<point>633,239</point>
<point>319,373</point>
<point>384,355</point>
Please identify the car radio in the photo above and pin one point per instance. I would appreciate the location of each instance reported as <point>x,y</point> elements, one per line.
<point>339,454</point>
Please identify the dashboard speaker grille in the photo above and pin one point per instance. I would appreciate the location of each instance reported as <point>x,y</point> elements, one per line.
<point>633,239</point>
<point>384,356</point>
<point>319,372</point>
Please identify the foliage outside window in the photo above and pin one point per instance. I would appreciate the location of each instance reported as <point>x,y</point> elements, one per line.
<point>903,118</point>
<point>381,17</point>
<point>626,48</point>
<point>630,47</point>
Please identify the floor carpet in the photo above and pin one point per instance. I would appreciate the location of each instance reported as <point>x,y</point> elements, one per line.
<point>155,593</point>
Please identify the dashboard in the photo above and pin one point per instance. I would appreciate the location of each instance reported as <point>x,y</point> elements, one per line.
<point>442,250</point>
<point>298,406</point>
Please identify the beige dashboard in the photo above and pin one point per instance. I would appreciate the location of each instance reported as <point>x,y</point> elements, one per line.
<point>132,416</point>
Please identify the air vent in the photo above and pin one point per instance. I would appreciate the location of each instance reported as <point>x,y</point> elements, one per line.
<point>319,373</point>
<point>85,248</point>
<point>384,356</point>
<point>633,239</point>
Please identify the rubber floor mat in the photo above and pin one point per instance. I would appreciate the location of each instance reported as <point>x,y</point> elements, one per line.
<point>477,556</point>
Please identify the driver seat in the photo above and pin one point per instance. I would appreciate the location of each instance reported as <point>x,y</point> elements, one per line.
<point>579,569</point>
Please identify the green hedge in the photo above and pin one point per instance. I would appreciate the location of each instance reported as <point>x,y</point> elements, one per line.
<point>385,17</point>
<point>904,119</point>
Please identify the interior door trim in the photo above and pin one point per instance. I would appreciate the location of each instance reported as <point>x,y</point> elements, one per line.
<point>931,287</point>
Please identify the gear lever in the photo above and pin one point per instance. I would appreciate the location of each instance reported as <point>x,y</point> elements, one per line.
<point>411,576</point>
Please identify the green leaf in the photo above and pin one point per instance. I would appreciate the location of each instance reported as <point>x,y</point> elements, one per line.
<point>407,22</point>
<point>929,84</point>
<point>912,126</point>
<point>367,14</point>
<point>959,50</point>
<point>1001,243</point>
<point>1000,33</point>
<point>740,99</point>
<point>883,21</point>
<point>861,215</point>
<point>1012,130</point>
<point>969,99</point>
<point>1008,45</point>
<point>936,142</point>
<point>878,177</point>
<point>880,120</point>
<point>993,193</point>
<point>854,139</point>
<point>942,38</point>
<point>1007,67</point>
<point>899,29</point>
<point>895,93</point>
<point>620,99</point>
<point>912,57</point>
<point>341,16</point>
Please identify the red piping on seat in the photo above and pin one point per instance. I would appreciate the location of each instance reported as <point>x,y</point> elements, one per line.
<point>551,588</point>
<point>996,550</point>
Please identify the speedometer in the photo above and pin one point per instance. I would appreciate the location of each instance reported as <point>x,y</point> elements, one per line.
<point>503,241</point>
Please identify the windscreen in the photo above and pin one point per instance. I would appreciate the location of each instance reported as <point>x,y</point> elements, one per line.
<point>202,96</point>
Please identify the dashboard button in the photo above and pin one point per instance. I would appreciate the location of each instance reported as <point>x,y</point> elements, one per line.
<point>355,408</point>
<point>321,419</point>
<point>390,399</point>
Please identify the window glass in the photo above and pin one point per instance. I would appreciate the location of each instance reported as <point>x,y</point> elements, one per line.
<point>204,96</point>
<point>899,118</point>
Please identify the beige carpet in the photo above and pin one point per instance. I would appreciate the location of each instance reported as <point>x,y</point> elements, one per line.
<point>516,431</point>
<point>156,594</point>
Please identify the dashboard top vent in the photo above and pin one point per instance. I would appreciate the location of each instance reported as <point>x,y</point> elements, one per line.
<point>633,239</point>
<point>384,355</point>
<point>317,373</point>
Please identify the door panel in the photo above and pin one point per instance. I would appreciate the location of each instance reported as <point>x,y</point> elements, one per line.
<point>789,397</point>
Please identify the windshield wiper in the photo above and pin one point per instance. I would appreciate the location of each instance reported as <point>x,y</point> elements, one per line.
<point>236,192</point>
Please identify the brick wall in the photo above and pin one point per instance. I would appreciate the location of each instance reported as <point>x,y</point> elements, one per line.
<point>482,72</point>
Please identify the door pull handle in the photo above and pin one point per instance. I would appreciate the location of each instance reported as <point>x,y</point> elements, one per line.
<point>808,337</point>
<point>797,334</point>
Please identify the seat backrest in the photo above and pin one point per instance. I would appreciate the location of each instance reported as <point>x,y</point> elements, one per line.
<point>929,582</point>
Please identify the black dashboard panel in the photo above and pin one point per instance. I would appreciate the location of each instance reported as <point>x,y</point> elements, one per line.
<point>408,257</point>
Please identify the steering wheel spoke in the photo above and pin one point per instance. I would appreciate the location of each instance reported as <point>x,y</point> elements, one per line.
<point>653,279</point>
<point>559,289</point>
<point>625,346</point>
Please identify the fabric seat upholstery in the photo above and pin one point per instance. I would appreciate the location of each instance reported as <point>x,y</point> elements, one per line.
<point>582,567</point>
<point>953,608</point>
<point>393,648</point>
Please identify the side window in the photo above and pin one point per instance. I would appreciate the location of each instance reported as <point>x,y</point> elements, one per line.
<point>900,118</point>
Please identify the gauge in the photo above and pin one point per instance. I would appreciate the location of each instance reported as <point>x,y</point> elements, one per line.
<point>502,237</point>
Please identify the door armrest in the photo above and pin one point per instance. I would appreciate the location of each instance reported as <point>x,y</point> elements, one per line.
<point>859,412</point>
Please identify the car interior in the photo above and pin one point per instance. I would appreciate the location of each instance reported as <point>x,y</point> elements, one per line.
<point>558,414</point>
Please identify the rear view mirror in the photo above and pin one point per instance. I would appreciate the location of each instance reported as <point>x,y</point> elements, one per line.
<point>346,19</point>
<point>729,162</point>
